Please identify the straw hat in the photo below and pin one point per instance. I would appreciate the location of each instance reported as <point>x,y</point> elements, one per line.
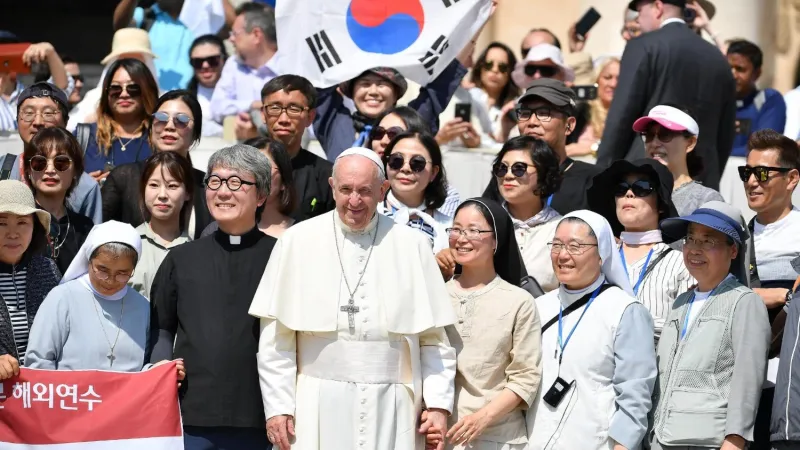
<point>129,40</point>
<point>16,198</point>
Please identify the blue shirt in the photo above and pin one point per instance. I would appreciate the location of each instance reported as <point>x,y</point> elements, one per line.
<point>763,109</point>
<point>170,40</point>
<point>136,149</point>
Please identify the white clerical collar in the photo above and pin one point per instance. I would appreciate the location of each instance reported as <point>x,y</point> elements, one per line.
<point>235,240</point>
<point>345,228</point>
<point>643,237</point>
<point>568,297</point>
<point>672,20</point>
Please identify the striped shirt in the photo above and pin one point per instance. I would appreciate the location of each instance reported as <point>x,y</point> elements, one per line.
<point>668,279</point>
<point>8,111</point>
<point>451,202</point>
<point>10,286</point>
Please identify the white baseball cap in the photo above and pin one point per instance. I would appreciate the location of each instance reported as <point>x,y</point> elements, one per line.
<point>668,117</point>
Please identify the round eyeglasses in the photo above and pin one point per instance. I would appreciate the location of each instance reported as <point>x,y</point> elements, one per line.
<point>234,183</point>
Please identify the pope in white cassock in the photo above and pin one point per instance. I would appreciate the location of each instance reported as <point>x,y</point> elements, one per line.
<point>353,310</point>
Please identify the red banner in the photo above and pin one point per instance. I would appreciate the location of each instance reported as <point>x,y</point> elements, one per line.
<point>50,408</point>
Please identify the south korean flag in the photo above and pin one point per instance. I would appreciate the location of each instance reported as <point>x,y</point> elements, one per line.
<point>331,41</point>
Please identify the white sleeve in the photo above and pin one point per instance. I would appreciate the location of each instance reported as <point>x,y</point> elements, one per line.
<point>438,360</point>
<point>277,368</point>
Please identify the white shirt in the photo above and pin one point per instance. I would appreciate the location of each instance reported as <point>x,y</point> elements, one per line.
<point>776,245</point>
<point>673,20</point>
<point>210,128</point>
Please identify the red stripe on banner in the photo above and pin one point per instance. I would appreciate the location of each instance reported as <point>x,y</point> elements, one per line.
<point>131,406</point>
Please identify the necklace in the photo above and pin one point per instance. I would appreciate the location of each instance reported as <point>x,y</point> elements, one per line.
<point>56,245</point>
<point>124,145</point>
<point>351,309</point>
<point>111,346</point>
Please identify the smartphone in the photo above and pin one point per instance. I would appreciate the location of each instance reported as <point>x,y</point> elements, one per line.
<point>11,58</point>
<point>585,92</point>
<point>689,15</point>
<point>586,23</point>
<point>464,111</point>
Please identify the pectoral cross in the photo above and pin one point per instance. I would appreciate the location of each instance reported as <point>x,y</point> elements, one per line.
<point>111,359</point>
<point>351,309</point>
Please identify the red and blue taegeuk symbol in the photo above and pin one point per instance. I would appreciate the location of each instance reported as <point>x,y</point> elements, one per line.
<point>385,26</point>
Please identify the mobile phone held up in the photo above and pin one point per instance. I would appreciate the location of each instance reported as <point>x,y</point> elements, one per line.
<point>11,58</point>
<point>586,23</point>
<point>586,92</point>
<point>689,15</point>
<point>464,111</point>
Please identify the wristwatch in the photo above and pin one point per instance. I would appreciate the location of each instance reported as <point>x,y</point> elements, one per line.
<point>594,148</point>
<point>789,295</point>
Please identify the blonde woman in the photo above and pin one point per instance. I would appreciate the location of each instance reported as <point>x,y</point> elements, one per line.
<point>606,82</point>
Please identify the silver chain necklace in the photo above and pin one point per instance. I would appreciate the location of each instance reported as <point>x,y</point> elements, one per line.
<point>351,309</point>
<point>111,346</point>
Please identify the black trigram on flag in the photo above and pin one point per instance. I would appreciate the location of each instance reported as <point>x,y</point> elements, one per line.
<point>323,51</point>
<point>432,56</point>
<point>449,3</point>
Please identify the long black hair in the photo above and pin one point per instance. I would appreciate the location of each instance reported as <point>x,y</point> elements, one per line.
<point>410,117</point>
<point>510,90</point>
<point>206,39</point>
<point>190,100</point>
<point>436,191</point>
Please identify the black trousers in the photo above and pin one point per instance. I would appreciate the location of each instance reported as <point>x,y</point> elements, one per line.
<point>225,438</point>
<point>763,417</point>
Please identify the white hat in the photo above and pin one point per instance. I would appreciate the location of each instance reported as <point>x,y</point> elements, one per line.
<point>539,53</point>
<point>668,117</point>
<point>366,153</point>
<point>129,40</point>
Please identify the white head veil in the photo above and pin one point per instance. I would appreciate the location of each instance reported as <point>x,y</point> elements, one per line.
<point>611,263</point>
<point>111,231</point>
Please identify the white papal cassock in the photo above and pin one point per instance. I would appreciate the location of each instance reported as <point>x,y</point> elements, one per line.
<point>359,388</point>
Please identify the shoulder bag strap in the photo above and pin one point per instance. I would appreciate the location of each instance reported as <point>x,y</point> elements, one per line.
<point>584,300</point>
<point>8,165</point>
<point>655,262</point>
<point>83,132</point>
<point>755,282</point>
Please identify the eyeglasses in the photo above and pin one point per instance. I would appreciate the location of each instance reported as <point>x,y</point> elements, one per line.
<point>416,163</point>
<point>212,61</point>
<point>234,183</point>
<point>544,71</point>
<point>472,234</point>
<point>275,110</point>
<point>761,172</point>
<point>573,248</point>
<point>640,188</point>
<point>501,67</point>
<point>518,169</point>
<point>632,31</point>
<point>105,276</point>
<point>133,89</point>
<point>161,119</point>
<point>544,114</point>
<point>664,135</point>
<point>48,116</point>
<point>379,132</point>
<point>61,163</point>
<point>705,244</point>
<point>77,77</point>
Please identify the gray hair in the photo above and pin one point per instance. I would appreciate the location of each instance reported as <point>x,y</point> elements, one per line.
<point>380,176</point>
<point>259,16</point>
<point>247,159</point>
<point>117,250</point>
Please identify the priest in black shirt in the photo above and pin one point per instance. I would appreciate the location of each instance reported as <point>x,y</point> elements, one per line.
<point>289,102</point>
<point>547,111</point>
<point>200,298</point>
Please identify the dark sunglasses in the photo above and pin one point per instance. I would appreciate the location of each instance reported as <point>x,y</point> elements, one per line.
<point>640,188</point>
<point>544,71</point>
<point>664,135</point>
<point>416,163</point>
<point>518,169</point>
<point>61,163</point>
<point>161,119</point>
<point>524,51</point>
<point>379,132</point>
<point>501,67</point>
<point>212,61</point>
<point>78,77</point>
<point>133,89</point>
<point>761,172</point>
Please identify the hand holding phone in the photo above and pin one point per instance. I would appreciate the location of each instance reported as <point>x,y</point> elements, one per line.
<point>582,27</point>
<point>464,111</point>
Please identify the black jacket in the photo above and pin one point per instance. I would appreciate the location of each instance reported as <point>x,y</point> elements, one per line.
<point>42,276</point>
<point>121,200</point>
<point>314,195</point>
<point>673,65</point>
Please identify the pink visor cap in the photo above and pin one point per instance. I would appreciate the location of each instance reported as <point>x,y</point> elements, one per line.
<point>668,117</point>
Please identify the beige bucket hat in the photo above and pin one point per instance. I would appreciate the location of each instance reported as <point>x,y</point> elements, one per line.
<point>129,40</point>
<point>17,198</point>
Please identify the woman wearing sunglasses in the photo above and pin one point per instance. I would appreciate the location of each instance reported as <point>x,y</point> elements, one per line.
<point>54,163</point>
<point>120,135</point>
<point>670,136</point>
<point>175,127</point>
<point>207,55</point>
<point>635,197</point>
<point>418,186</point>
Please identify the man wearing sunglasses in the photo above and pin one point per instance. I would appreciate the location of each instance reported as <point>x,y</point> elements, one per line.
<point>74,70</point>
<point>542,61</point>
<point>547,111</point>
<point>660,67</point>
<point>42,106</point>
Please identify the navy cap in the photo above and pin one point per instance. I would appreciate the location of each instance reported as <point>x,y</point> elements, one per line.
<point>43,89</point>
<point>712,218</point>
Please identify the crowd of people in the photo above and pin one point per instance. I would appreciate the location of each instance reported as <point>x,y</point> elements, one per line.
<point>358,301</point>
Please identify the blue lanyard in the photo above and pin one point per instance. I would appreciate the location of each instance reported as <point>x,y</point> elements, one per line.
<point>641,274</point>
<point>550,200</point>
<point>563,344</point>
<point>689,309</point>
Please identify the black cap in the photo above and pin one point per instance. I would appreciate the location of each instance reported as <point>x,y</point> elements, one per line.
<point>678,3</point>
<point>43,89</point>
<point>551,91</point>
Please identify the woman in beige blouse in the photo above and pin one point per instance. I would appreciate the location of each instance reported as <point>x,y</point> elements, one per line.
<point>497,336</point>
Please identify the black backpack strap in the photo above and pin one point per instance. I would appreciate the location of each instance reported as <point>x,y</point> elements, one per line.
<point>83,132</point>
<point>584,300</point>
<point>148,20</point>
<point>8,165</point>
<point>655,262</point>
<point>755,281</point>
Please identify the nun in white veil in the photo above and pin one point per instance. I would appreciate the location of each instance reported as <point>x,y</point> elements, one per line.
<point>598,359</point>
